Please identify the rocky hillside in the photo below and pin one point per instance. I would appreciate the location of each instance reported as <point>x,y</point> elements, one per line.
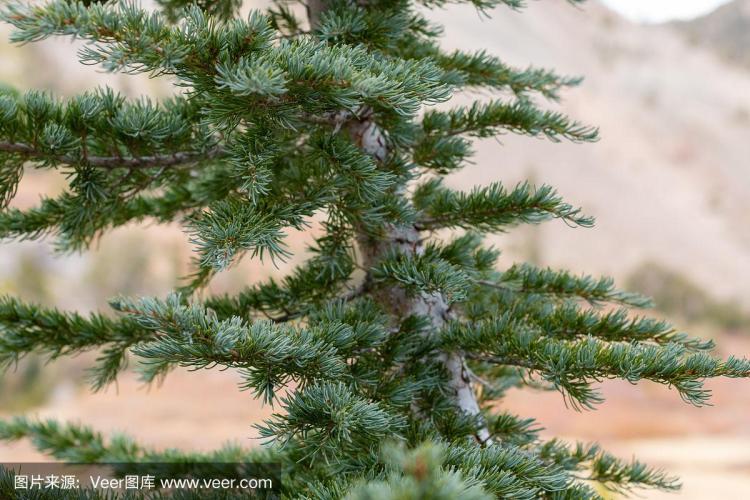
<point>726,30</point>
<point>669,182</point>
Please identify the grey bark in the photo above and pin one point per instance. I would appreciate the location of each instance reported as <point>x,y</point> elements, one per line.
<point>406,239</point>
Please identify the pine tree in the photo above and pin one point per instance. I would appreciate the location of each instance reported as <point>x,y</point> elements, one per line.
<point>387,350</point>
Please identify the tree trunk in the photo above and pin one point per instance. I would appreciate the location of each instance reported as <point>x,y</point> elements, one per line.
<point>406,239</point>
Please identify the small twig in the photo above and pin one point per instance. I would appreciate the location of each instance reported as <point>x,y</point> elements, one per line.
<point>476,377</point>
<point>355,292</point>
<point>114,162</point>
<point>347,297</point>
<point>492,284</point>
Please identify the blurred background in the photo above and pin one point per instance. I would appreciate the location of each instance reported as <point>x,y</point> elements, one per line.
<point>668,83</point>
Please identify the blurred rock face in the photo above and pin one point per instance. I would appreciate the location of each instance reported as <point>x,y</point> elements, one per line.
<point>724,31</point>
<point>669,180</point>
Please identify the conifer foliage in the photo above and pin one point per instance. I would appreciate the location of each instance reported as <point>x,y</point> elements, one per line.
<point>388,350</point>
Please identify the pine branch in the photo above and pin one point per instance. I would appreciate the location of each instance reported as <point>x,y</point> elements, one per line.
<point>484,5</point>
<point>513,430</point>
<point>507,472</point>
<point>424,469</point>
<point>313,283</point>
<point>276,77</point>
<point>573,365</point>
<point>11,171</point>
<point>81,444</point>
<point>570,321</point>
<point>220,9</point>
<point>481,5</point>
<point>481,70</point>
<point>270,355</point>
<point>179,158</point>
<point>331,421</point>
<point>26,329</point>
<point>77,222</point>
<point>71,443</point>
<point>614,474</point>
<point>422,274</point>
<point>526,278</point>
<point>468,253</point>
<point>490,119</point>
<point>101,129</point>
<point>549,302</point>
<point>233,226</point>
<point>491,208</point>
